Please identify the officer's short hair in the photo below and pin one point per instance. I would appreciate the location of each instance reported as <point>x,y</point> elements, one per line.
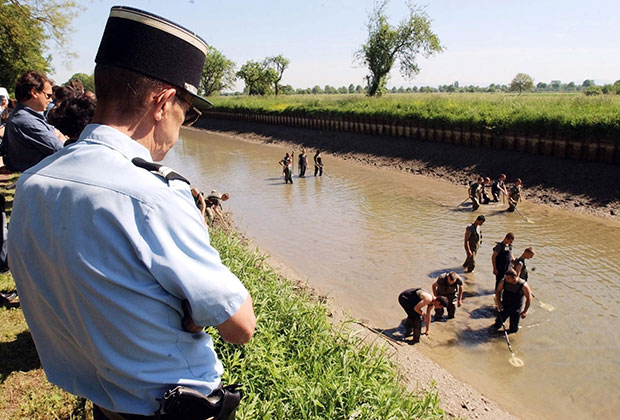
<point>481,218</point>
<point>128,90</point>
<point>511,272</point>
<point>27,81</point>
<point>509,235</point>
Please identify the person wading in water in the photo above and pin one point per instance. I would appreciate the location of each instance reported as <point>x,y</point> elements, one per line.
<point>510,294</point>
<point>473,239</point>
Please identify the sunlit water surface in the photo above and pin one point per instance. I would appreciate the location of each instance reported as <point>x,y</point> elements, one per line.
<point>361,235</point>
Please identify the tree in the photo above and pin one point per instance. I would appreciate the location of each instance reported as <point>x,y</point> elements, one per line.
<point>587,83</point>
<point>278,63</point>
<point>218,73</point>
<point>521,82</point>
<point>387,44</point>
<point>541,86</point>
<point>257,77</point>
<point>351,88</point>
<point>87,81</point>
<point>27,27</point>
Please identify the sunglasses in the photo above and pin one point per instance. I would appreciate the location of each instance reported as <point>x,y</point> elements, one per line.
<point>47,95</point>
<point>192,114</point>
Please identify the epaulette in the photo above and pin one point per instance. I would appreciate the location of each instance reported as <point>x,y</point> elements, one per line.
<point>162,170</point>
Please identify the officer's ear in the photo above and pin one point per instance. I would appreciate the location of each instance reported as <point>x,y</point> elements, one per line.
<point>161,103</point>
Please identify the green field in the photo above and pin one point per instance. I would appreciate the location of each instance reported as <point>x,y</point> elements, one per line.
<point>570,116</point>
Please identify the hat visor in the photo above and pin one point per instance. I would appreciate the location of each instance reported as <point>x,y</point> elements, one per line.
<point>200,103</point>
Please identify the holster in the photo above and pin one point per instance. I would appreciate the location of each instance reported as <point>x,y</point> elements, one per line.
<point>188,404</point>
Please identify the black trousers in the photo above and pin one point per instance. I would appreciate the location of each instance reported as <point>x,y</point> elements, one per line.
<point>98,415</point>
<point>514,314</point>
<point>414,319</point>
<point>451,310</point>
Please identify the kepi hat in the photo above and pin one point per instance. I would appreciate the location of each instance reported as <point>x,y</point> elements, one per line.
<point>156,47</point>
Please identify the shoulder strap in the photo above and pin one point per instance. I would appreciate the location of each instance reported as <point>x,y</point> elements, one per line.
<point>162,170</point>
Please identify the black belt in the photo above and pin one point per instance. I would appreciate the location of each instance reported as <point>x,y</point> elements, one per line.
<point>121,416</point>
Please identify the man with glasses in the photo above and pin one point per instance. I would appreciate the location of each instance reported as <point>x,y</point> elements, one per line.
<point>28,137</point>
<point>111,255</point>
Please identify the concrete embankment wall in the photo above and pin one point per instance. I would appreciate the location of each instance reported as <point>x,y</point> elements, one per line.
<point>592,150</point>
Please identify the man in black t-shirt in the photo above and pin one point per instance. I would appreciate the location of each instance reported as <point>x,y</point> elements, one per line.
<point>502,257</point>
<point>450,286</point>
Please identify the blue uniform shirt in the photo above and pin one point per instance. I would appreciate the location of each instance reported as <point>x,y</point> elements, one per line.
<point>103,252</point>
<point>28,138</point>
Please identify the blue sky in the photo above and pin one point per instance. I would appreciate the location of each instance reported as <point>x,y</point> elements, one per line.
<point>486,41</point>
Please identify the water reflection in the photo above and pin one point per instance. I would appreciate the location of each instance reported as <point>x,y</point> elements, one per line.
<point>362,235</point>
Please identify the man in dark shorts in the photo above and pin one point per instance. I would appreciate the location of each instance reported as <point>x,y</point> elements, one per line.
<point>502,257</point>
<point>509,295</point>
<point>473,239</point>
<point>450,286</point>
<point>412,301</point>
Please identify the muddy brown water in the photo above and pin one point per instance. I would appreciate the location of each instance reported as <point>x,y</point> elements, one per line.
<point>362,235</point>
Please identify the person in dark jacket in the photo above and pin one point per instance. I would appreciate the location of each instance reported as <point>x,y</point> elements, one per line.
<point>28,137</point>
<point>502,257</point>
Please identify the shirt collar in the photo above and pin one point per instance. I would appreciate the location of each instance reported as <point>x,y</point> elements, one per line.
<point>114,139</point>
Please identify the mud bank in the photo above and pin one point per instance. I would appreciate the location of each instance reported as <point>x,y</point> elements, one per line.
<point>586,187</point>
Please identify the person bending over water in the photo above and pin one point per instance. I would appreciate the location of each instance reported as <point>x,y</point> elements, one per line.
<point>412,301</point>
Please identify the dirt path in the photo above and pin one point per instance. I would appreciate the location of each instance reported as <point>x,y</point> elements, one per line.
<point>591,188</point>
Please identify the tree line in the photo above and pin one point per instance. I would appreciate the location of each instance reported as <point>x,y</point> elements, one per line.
<point>29,27</point>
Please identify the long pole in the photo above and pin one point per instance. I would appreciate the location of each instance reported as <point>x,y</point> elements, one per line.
<point>514,360</point>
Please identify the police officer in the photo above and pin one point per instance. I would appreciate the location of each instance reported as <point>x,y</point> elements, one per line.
<point>472,242</point>
<point>450,286</point>
<point>108,248</point>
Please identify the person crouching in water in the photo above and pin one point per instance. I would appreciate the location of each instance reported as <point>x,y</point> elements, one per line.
<point>512,290</point>
<point>450,286</point>
<point>412,301</point>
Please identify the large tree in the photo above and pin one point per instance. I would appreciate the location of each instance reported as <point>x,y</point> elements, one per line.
<point>28,29</point>
<point>258,77</point>
<point>387,44</point>
<point>278,63</point>
<point>218,73</point>
<point>522,82</point>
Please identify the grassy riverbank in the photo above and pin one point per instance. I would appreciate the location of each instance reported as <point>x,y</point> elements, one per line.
<point>571,116</point>
<point>297,366</point>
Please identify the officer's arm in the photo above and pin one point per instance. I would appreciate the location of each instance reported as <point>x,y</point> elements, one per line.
<point>460,295</point>
<point>239,328</point>
<point>435,289</point>
<point>493,256</point>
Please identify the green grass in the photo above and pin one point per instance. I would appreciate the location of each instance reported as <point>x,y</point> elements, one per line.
<point>297,366</point>
<point>573,116</point>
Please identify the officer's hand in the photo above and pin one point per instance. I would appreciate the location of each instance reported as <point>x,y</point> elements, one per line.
<point>458,303</point>
<point>495,271</point>
<point>523,314</point>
